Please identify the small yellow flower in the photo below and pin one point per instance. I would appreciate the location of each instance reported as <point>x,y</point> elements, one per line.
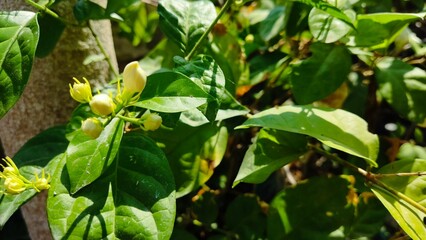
<point>134,78</point>
<point>152,122</point>
<point>81,92</point>
<point>14,185</point>
<point>92,127</point>
<point>102,104</point>
<point>41,183</point>
<point>10,168</point>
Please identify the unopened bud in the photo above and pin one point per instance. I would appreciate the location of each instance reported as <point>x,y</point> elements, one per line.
<point>152,122</point>
<point>102,104</point>
<point>92,127</point>
<point>43,182</point>
<point>134,78</point>
<point>81,92</point>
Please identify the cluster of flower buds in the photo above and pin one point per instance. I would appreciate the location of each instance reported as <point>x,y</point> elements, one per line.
<point>14,183</point>
<point>104,105</point>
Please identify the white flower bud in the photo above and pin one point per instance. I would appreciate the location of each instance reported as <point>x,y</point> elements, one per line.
<point>134,78</point>
<point>152,122</point>
<point>102,104</point>
<point>92,127</point>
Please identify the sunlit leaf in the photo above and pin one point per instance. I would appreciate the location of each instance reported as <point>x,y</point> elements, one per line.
<point>88,158</point>
<point>334,127</point>
<point>408,217</point>
<point>133,199</point>
<point>185,21</point>
<point>18,41</point>
<point>270,151</point>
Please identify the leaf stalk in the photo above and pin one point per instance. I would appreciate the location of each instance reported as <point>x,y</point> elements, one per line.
<point>209,29</point>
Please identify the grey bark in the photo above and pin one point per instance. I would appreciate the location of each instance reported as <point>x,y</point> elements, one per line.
<point>46,101</point>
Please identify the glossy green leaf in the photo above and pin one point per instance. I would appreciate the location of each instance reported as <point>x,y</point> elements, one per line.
<point>193,153</point>
<point>409,218</point>
<point>273,24</point>
<point>39,152</point>
<point>404,88</point>
<point>271,150</point>
<point>87,10</point>
<point>133,199</point>
<point>140,22</point>
<point>88,158</point>
<point>321,74</point>
<point>185,21</point>
<point>18,42</point>
<point>206,72</point>
<point>169,91</point>
<point>326,28</point>
<point>322,213</point>
<point>50,32</point>
<point>379,30</point>
<point>334,127</point>
<point>330,9</point>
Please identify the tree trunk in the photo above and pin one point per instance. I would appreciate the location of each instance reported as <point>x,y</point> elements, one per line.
<point>46,101</point>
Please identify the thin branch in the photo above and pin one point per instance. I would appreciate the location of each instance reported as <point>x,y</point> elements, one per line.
<point>46,10</point>
<point>370,178</point>
<point>101,47</point>
<point>408,174</point>
<point>206,33</point>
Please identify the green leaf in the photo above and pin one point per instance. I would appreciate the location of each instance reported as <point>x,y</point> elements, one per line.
<point>133,199</point>
<point>273,24</point>
<point>39,152</point>
<point>245,217</point>
<point>88,158</point>
<point>322,213</point>
<point>334,127</point>
<point>114,6</point>
<point>193,153</point>
<point>160,57</point>
<point>18,42</point>
<point>139,23</point>
<point>271,150</point>
<point>50,31</point>
<point>404,88</point>
<point>87,10</point>
<point>170,92</point>
<point>379,30</point>
<point>326,28</point>
<point>320,75</point>
<point>330,9</point>
<point>185,21</point>
<point>205,72</point>
<point>408,217</point>
<point>221,104</point>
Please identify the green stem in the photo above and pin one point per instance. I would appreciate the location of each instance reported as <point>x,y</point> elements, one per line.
<point>49,12</point>
<point>407,174</point>
<point>101,47</point>
<point>129,119</point>
<point>371,178</point>
<point>206,33</point>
